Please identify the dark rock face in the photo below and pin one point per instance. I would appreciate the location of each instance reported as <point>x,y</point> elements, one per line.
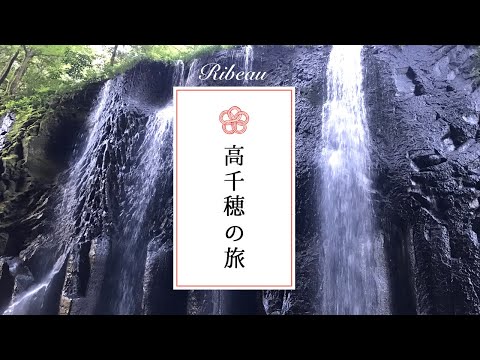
<point>107,204</point>
<point>6,283</point>
<point>423,113</point>
<point>31,159</point>
<point>423,117</point>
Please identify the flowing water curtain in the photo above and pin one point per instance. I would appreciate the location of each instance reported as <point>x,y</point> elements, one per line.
<point>151,166</point>
<point>248,61</point>
<point>179,73</point>
<point>62,239</point>
<point>353,263</point>
<point>5,124</point>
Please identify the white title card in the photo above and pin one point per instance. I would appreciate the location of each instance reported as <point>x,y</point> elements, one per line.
<point>234,188</point>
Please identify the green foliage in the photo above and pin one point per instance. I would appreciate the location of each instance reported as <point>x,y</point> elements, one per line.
<point>195,51</point>
<point>77,64</point>
<point>40,73</point>
<point>166,53</point>
<point>26,109</point>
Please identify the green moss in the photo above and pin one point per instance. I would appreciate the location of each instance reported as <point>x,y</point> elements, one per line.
<point>10,161</point>
<point>10,158</point>
<point>203,51</point>
<point>26,114</point>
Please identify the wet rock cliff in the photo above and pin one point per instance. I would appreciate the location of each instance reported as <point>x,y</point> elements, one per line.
<point>424,106</point>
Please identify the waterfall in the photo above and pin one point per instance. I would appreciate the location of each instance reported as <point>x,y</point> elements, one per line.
<point>178,73</point>
<point>32,300</point>
<point>138,198</point>
<point>248,61</point>
<point>353,270</point>
<point>104,208</point>
<point>218,302</point>
<point>5,124</point>
<point>192,72</point>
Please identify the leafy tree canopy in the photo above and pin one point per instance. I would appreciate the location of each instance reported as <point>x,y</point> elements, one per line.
<point>31,74</point>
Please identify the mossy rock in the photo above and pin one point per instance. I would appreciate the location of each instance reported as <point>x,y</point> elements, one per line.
<point>9,163</point>
<point>37,160</point>
<point>36,149</point>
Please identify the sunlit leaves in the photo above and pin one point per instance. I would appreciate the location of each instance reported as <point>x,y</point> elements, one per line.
<point>76,63</point>
<point>56,69</point>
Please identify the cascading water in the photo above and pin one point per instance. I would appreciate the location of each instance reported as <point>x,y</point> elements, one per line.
<point>138,197</point>
<point>133,153</point>
<point>192,71</point>
<point>62,239</point>
<point>178,73</point>
<point>218,306</point>
<point>5,124</point>
<point>353,271</point>
<point>248,61</point>
<point>103,210</point>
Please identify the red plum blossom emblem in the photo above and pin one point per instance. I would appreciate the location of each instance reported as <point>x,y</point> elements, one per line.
<point>234,120</point>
